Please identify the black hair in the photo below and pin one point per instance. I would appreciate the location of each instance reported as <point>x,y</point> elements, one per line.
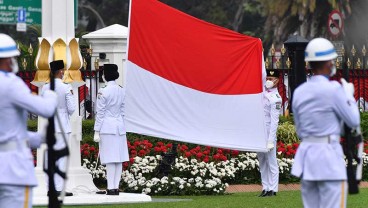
<point>316,65</point>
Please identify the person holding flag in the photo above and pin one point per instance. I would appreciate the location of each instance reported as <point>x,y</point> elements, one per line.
<point>110,128</point>
<point>65,109</point>
<point>319,107</point>
<point>267,160</point>
<point>17,167</point>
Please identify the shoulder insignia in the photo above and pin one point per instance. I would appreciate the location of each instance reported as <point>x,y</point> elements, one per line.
<point>120,86</point>
<point>278,105</point>
<point>71,91</point>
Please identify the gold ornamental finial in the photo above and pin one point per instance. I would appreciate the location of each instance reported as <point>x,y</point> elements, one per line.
<point>90,50</point>
<point>267,63</point>
<point>96,63</point>
<point>349,63</point>
<point>283,50</point>
<point>30,49</point>
<point>337,63</point>
<point>358,64</point>
<point>364,51</point>
<point>353,51</point>
<point>24,64</point>
<point>278,63</point>
<point>84,64</point>
<point>288,63</point>
<point>273,50</point>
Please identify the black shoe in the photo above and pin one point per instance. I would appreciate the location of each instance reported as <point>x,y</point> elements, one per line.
<point>271,193</point>
<point>100,192</point>
<point>59,192</point>
<point>68,193</point>
<point>110,192</point>
<point>117,191</point>
<point>263,193</point>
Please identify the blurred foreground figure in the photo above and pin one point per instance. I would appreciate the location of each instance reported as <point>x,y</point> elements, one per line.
<point>319,107</point>
<point>17,175</point>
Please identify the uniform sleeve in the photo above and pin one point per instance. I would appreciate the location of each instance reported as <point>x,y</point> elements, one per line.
<point>264,73</point>
<point>274,114</point>
<point>100,110</point>
<point>34,139</point>
<point>122,108</point>
<point>295,112</point>
<point>21,96</point>
<point>70,100</point>
<point>346,108</point>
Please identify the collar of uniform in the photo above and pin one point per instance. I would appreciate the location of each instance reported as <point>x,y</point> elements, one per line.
<point>111,82</point>
<point>2,70</point>
<point>272,89</point>
<point>319,78</point>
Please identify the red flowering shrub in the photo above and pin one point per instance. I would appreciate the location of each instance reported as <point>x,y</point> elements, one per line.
<point>286,150</point>
<point>89,152</point>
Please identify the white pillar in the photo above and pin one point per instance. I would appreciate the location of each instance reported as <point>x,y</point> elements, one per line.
<point>58,23</point>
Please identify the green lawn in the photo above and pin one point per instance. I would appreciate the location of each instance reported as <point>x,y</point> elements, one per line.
<point>285,199</point>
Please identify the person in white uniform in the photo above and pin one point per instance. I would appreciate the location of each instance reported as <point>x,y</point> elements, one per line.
<point>267,160</point>
<point>319,107</point>
<point>65,109</point>
<point>110,129</point>
<point>17,174</point>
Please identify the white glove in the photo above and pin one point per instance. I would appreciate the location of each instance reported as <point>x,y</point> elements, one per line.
<point>270,145</point>
<point>96,137</point>
<point>348,87</point>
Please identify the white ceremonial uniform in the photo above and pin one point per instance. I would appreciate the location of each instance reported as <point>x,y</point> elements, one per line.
<point>17,175</point>
<point>319,106</point>
<point>65,109</point>
<point>268,165</point>
<point>110,123</point>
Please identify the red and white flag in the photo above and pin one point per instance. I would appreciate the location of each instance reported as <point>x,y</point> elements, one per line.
<point>192,81</point>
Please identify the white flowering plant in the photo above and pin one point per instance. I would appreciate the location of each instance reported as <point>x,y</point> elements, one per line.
<point>196,171</point>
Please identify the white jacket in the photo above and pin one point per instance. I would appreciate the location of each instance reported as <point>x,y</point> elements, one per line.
<point>17,167</point>
<point>110,109</point>
<point>66,105</point>
<point>272,109</point>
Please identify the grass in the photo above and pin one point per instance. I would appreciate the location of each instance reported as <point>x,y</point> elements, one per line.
<point>285,199</point>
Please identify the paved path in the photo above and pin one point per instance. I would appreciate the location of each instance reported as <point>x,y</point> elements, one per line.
<point>282,187</point>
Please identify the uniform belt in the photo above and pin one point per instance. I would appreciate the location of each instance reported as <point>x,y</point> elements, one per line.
<point>325,139</point>
<point>13,145</point>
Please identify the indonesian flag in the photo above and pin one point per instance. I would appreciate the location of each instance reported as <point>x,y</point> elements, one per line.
<point>192,81</point>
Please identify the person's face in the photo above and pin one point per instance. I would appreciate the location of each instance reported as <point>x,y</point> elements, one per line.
<point>6,64</point>
<point>274,80</point>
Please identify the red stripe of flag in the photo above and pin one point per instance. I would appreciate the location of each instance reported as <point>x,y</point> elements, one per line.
<point>191,52</point>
